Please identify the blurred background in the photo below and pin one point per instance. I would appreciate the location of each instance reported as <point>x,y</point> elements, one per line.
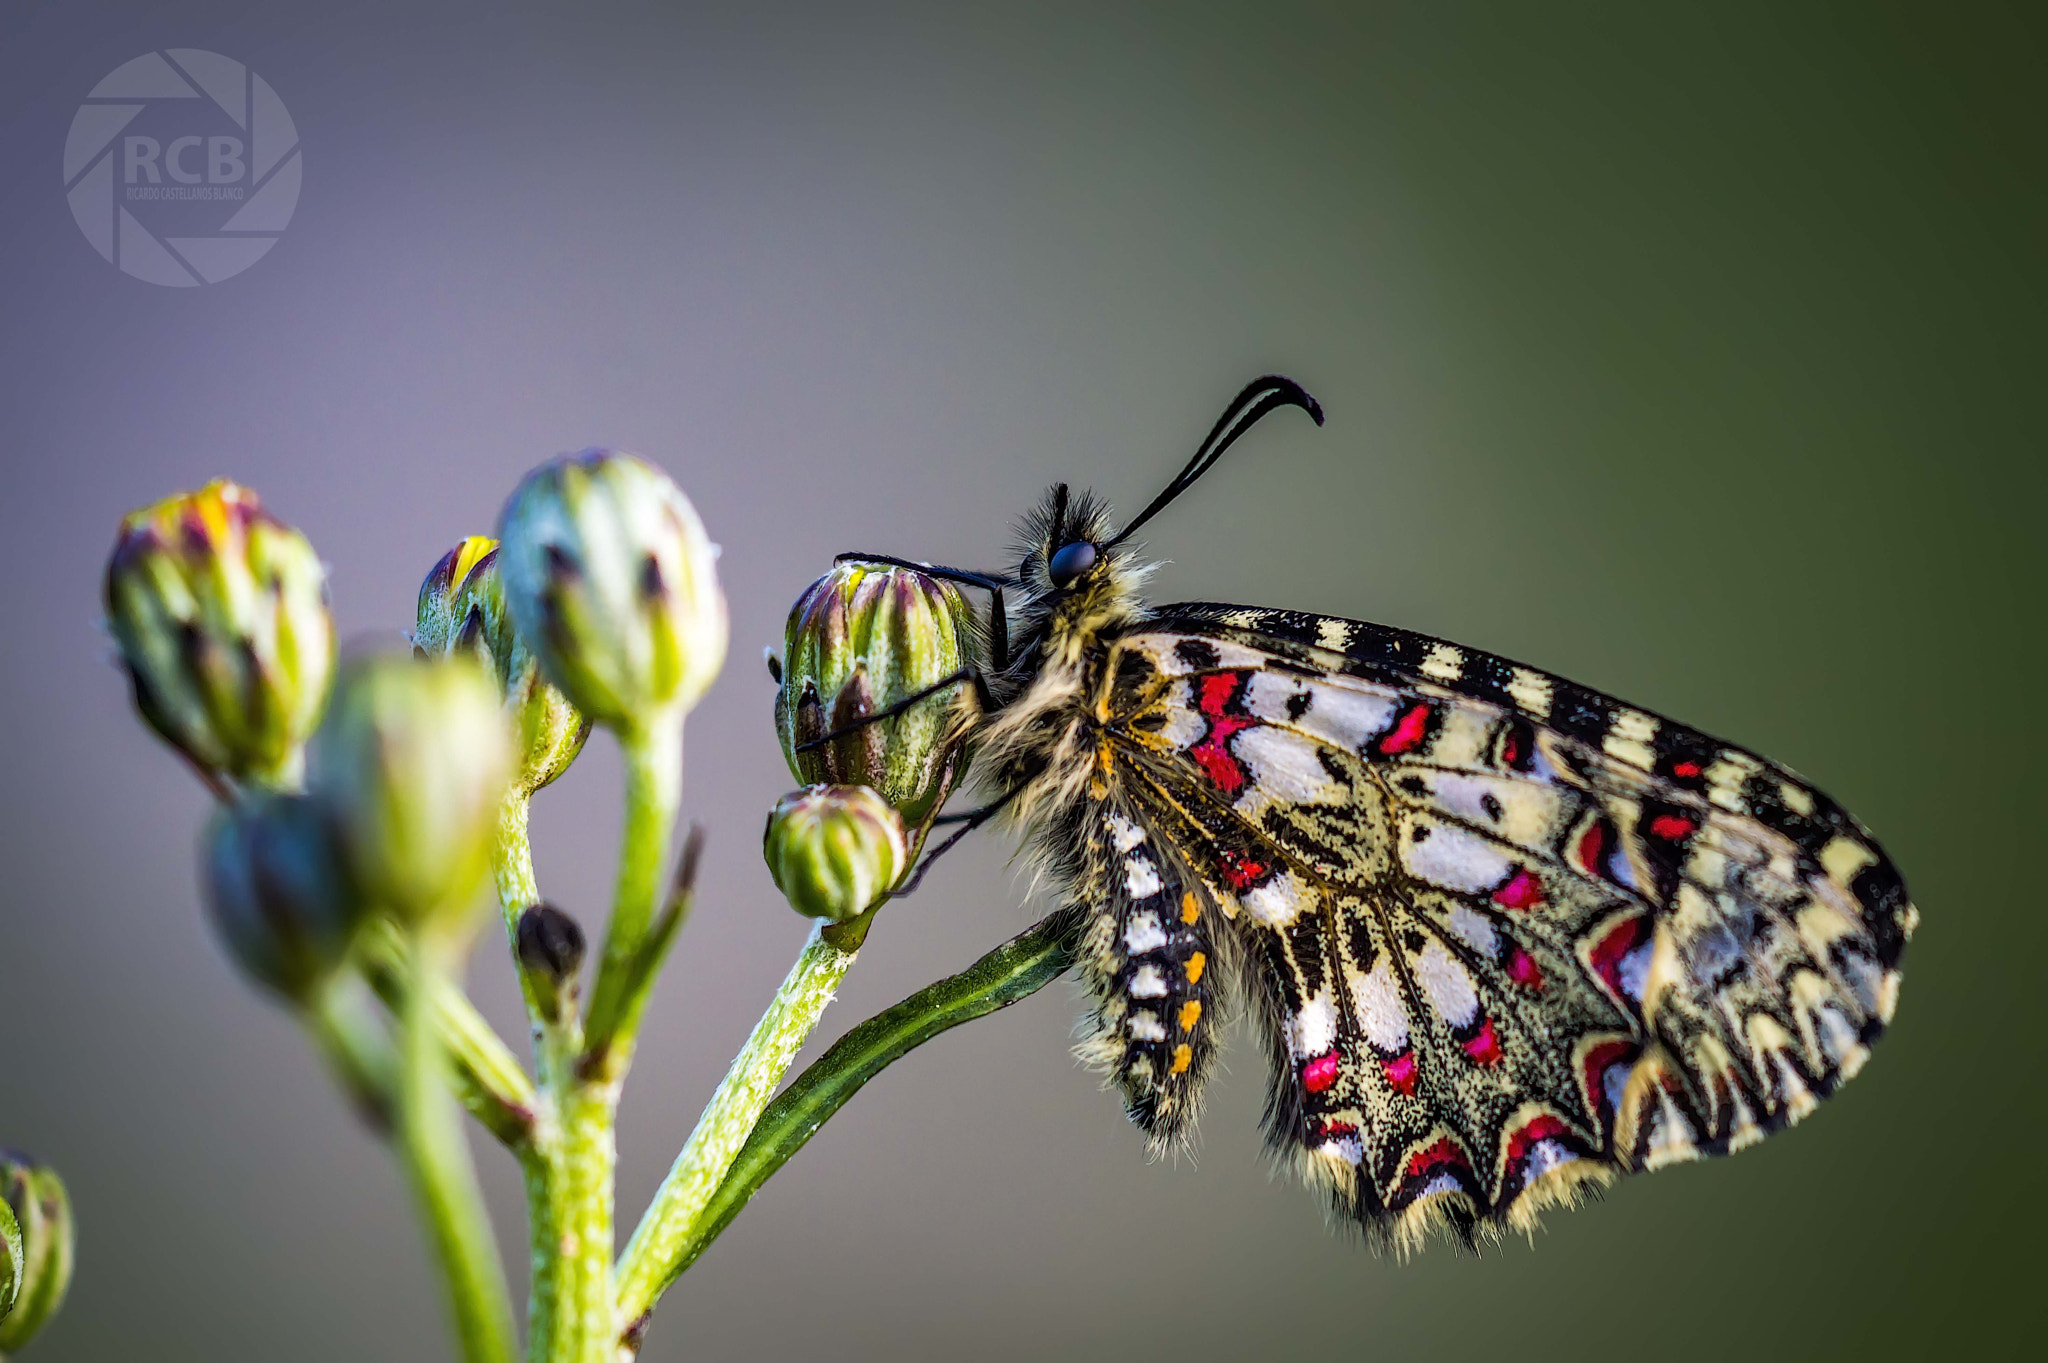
<point>1692,352</point>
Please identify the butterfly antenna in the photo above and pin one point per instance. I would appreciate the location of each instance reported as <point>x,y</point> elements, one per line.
<point>1260,396</point>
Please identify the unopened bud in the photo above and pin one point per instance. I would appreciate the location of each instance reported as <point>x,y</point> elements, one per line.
<point>278,893</point>
<point>860,639</point>
<point>220,613</point>
<point>410,770</point>
<point>609,575</point>
<point>462,610</point>
<point>834,851</point>
<point>42,1214</point>
<point>550,947</point>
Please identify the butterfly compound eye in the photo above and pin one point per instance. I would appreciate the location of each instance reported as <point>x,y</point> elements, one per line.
<point>1070,562</point>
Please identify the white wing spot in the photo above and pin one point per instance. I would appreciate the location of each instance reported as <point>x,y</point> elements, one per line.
<point>1450,989</point>
<point>1285,767</point>
<point>1455,859</point>
<point>1314,1030</point>
<point>1144,1024</point>
<point>1148,983</point>
<point>1472,928</point>
<point>1334,634</point>
<point>1280,900</point>
<point>1377,1001</point>
<point>1141,877</point>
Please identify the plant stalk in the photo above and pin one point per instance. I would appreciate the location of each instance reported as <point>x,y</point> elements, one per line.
<point>444,1178</point>
<point>726,1122</point>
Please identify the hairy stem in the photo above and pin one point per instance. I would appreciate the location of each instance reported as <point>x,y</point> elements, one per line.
<point>444,1178</point>
<point>727,1120</point>
<point>518,889</point>
<point>585,1072</point>
<point>1013,971</point>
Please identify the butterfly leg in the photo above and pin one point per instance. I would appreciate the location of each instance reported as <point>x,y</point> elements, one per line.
<point>968,821</point>
<point>969,673</point>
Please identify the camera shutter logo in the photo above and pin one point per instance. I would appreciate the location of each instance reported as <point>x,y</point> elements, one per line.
<point>182,167</point>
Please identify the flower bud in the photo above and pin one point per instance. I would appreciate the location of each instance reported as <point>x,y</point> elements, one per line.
<point>462,609</point>
<point>220,613</point>
<point>835,850</point>
<point>42,1213</point>
<point>610,577</point>
<point>410,770</point>
<point>549,944</point>
<point>860,639</point>
<point>279,893</point>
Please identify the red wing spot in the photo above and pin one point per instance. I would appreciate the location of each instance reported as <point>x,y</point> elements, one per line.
<point>1401,1072</point>
<point>1592,852</point>
<point>1213,694</point>
<point>1522,891</point>
<point>1240,871</point>
<point>1601,1059</point>
<point>1226,773</point>
<point>1615,945</point>
<point>1524,971</point>
<point>1215,691</point>
<point>1408,730</point>
<point>1319,1073</point>
<point>1685,771</point>
<point>1511,750</point>
<point>1439,1156</point>
<point>1672,827</point>
<point>1524,1139</point>
<point>1334,1131</point>
<point>1485,1047</point>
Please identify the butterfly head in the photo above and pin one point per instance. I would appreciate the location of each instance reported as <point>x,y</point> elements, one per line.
<point>1075,581</point>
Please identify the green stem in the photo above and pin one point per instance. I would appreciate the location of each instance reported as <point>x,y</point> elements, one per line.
<point>518,889</point>
<point>444,1178</point>
<point>700,1168</point>
<point>654,786</point>
<point>485,1075</point>
<point>573,1267</point>
<point>343,1023</point>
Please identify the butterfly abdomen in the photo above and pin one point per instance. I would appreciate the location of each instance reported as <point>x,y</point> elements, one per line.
<point>1150,965</point>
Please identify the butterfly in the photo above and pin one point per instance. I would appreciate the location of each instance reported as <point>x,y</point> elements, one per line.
<point>1505,937</point>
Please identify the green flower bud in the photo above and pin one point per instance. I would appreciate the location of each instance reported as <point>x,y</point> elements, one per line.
<point>835,850</point>
<point>278,892</point>
<point>11,1254</point>
<point>609,575</point>
<point>42,1214</point>
<point>410,769</point>
<point>860,639</point>
<point>462,609</point>
<point>220,612</point>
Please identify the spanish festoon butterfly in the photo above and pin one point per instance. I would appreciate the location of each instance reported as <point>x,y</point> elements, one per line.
<point>1506,937</point>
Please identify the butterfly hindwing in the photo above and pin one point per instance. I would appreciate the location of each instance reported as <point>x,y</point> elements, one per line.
<point>1511,936</point>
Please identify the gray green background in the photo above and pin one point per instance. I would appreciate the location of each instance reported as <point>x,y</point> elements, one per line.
<point>1692,352</point>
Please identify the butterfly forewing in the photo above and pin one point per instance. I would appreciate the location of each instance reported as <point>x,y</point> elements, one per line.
<point>1510,936</point>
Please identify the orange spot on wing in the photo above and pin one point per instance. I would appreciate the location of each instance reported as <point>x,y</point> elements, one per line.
<point>1190,1014</point>
<point>1183,1056</point>
<point>1189,909</point>
<point>1197,963</point>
